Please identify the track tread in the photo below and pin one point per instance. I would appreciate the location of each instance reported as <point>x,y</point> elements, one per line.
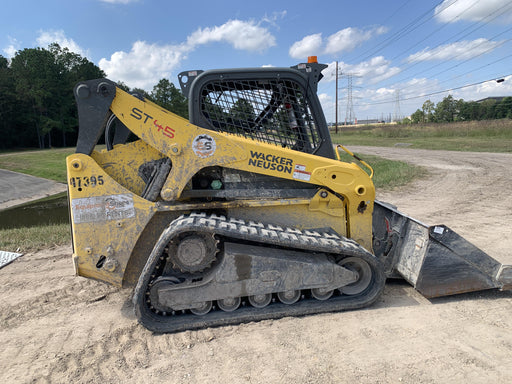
<point>309,240</point>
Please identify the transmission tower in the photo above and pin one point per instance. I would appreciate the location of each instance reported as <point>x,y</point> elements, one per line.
<point>349,115</point>
<point>336,117</point>
<point>398,113</point>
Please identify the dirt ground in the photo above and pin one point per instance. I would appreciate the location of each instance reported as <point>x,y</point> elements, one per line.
<point>57,328</point>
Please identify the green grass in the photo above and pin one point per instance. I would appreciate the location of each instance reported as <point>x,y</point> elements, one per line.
<point>34,238</point>
<point>477,136</point>
<point>388,174</point>
<point>48,163</point>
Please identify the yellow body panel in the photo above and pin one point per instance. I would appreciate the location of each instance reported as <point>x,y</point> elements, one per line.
<point>177,138</point>
<point>123,162</point>
<point>107,220</point>
<point>109,216</point>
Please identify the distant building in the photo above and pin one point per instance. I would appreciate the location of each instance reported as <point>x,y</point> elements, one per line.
<point>368,121</point>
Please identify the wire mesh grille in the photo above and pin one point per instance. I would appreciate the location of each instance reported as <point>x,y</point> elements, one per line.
<point>273,111</point>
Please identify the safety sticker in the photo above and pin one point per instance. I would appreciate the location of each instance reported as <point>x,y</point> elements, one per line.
<point>102,208</point>
<point>204,146</point>
<point>300,173</point>
<point>438,230</point>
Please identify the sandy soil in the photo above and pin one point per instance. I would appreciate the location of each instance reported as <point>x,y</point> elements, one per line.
<point>57,328</point>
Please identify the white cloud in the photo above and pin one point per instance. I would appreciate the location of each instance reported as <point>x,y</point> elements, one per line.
<point>473,10</point>
<point>12,48</point>
<point>324,98</point>
<point>345,40</point>
<point>328,106</point>
<point>487,89</point>
<point>240,34</point>
<point>348,39</point>
<point>272,19</point>
<point>146,63</point>
<point>461,50</point>
<point>366,72</point>
<point>374,70</point>
<point>46,38</point>
<point>308,46</point>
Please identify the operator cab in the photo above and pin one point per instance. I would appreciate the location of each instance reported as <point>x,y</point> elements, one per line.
<point>273,105</point>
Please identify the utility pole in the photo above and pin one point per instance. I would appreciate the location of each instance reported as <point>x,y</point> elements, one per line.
<point>349,115</point>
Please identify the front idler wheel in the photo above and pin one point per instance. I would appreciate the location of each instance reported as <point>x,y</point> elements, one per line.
<point>363,269</point>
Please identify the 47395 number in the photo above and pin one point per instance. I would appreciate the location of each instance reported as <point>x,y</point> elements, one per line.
<point>83,182</point>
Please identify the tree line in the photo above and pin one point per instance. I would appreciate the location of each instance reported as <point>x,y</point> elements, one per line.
<point>450,109</point>
<point>37,107</point>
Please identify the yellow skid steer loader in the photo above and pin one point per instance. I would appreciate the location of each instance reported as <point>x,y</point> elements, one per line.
<point>245,212</point>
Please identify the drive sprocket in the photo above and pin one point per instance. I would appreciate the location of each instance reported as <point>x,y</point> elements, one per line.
<point>193,252</point>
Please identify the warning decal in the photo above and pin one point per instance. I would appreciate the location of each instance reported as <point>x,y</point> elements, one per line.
<point>300,173</point>
<point>102,208</point>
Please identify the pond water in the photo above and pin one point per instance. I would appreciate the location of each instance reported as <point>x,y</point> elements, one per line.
<point>50,210</point>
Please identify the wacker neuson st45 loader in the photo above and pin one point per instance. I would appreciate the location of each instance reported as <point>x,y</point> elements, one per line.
<point>245,212</point>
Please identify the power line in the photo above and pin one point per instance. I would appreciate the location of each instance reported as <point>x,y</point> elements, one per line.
<point>463,62</point>
<point>404,31</point>
<point>417,22</point>
<point>436,93</point>
<point>471,70</point>
<point>499,11</point>
<point>436,30</point>
<point>396,11</point>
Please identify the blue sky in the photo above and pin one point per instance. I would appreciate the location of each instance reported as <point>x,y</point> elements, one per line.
<point>406,50</point>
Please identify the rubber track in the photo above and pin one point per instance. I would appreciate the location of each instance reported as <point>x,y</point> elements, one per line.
<point>267,235</point>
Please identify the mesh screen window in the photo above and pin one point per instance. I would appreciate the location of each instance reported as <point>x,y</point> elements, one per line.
<point>272,111</point>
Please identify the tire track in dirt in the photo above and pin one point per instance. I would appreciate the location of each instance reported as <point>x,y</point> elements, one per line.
<point>53,301</point>
<point>115,356</point>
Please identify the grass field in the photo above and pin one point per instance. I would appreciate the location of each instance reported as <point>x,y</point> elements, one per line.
<point>388,174</point>
<point>34,238</point>
<point>477,136</point>
<point>47,163</point>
